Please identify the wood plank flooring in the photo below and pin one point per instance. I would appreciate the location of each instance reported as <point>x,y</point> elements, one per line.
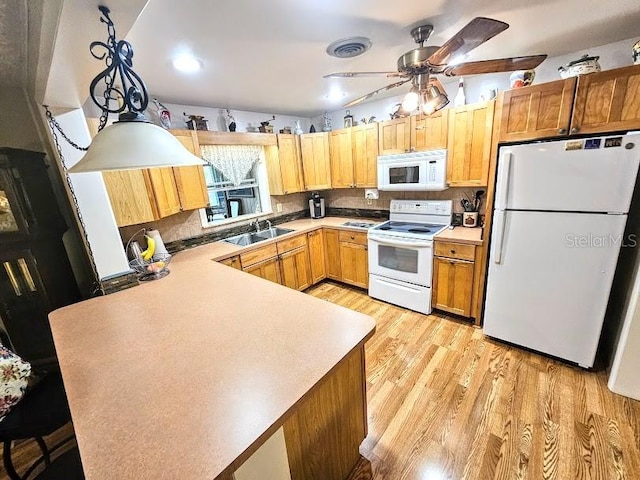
<point>447,403</point>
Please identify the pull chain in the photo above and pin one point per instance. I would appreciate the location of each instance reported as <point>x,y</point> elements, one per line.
<point>97,288</point>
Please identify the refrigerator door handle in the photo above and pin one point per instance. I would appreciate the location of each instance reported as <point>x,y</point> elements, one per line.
<point>498,235</point>
<point>504,172</point>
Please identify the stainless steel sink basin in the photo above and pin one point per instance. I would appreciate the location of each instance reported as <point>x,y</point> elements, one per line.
<point>272,232</point>
<point>254,237</point>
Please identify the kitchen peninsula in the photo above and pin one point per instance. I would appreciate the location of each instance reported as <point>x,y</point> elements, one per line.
<point>187,377</point>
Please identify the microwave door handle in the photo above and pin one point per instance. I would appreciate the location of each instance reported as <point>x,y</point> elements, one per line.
<point>504,172</point>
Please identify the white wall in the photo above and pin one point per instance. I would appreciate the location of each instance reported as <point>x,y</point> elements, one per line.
<point>612,55</point>
<point>216,116</point>
<point>93,201</point>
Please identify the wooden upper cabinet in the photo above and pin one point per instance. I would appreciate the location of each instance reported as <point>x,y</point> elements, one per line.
<point>165,191</point>
<point>192,188</point>
<point>364,141</point>
<point>394,136</point>
<point>607,101</point>
<point>190,182</point>
<point>470,132</point>
<point>341,158</point>
<point>130,196</point>
<point>430,132</point>
<point>315,160</point>
<point>537,111</point>
<point>284,165</point>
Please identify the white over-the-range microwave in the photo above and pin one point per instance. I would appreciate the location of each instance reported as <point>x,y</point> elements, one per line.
<point>413,171</point>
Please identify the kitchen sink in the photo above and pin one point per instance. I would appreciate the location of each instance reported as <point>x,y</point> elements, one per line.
<point>272,232</point>
<point>254,237</point>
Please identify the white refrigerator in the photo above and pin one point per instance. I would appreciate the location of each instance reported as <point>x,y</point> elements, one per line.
<point>558,225</point>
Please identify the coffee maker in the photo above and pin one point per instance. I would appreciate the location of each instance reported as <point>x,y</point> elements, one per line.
<point>316,205</point>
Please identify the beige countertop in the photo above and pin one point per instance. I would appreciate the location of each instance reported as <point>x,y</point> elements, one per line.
<point>221,249</point>
<point>471,236</point>
<point>177,378</point>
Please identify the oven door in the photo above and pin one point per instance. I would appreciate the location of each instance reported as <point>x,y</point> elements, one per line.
<point>402,175</point>
<point>405,259</point>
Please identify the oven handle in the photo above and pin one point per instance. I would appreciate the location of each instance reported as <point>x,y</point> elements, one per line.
<point>399,243</point>
<point>398,285</point>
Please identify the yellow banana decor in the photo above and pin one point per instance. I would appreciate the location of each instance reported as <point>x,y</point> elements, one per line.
<point>151,249</point>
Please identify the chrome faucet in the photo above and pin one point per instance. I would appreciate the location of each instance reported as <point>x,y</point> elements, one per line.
<point>256,224</point>
<point>269,224</point>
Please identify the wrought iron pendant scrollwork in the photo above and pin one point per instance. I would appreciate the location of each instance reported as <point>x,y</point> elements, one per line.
<point>122,90</point>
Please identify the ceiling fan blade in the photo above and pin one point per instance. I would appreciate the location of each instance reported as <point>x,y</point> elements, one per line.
<point>361,74</point>
<point>497,65</point>
<point>371,94</point>
<point>474,34</point>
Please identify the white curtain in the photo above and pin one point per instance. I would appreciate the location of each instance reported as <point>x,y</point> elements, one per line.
<point>233,161</point>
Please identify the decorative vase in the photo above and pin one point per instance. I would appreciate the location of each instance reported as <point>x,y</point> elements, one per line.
<point>298,129</point>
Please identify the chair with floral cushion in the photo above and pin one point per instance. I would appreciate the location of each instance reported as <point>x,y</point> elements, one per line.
<point>41,411</point>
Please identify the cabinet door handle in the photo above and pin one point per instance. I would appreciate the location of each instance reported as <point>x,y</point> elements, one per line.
<point>352,237</point>
<point>562,131</point>
<point>575,129</point>
<point>452,251</point>
<point>286,191</point>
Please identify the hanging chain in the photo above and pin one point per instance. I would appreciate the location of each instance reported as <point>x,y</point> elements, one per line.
<point>97,288</point>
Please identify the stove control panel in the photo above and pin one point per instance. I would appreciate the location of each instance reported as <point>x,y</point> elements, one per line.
<point>422,207</point>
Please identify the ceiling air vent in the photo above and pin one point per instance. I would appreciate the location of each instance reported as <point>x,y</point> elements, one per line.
<point>349,47</point>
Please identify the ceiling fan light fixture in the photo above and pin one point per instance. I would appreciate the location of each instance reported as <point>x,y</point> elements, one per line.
<point>433,100</point>
<point>411,100</point>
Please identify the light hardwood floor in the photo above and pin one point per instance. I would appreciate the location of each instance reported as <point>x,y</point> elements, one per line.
<point>445,402</point>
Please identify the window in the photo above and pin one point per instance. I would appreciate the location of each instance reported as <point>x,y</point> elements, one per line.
<point>230,203</point>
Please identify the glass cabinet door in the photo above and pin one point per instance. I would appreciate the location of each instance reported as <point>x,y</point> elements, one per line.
<point>13,223</point>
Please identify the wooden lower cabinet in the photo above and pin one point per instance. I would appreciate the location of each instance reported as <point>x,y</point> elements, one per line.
<point>324,433</point>
<point>233,262</point>
<point>295,269</point>
<point>354,264</point>
<point>453,285</point>
<point>268,269</point>
<point>332,253</point>
<point>315,240</point>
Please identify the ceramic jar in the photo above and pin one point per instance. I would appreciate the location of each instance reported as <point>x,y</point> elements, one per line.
<point>582,66</point>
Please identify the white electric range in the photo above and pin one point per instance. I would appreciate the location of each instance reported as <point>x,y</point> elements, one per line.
<point>401,252</point>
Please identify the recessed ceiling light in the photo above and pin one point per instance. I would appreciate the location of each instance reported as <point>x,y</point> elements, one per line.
<point>187,63</point>
<point>335,95</point>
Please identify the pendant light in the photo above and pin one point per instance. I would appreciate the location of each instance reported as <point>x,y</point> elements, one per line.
<point>411,100</point>
<point>132,142</point>
<point>433,100</point>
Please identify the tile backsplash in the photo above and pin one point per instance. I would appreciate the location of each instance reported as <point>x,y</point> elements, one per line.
<point>187,224</point>
<point>354,198</point>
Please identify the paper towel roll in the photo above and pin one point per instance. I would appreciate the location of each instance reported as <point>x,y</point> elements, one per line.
<point>160,248</point>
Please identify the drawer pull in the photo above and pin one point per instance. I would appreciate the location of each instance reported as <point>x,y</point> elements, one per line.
<point>352,237</point>
<point>453,251</point>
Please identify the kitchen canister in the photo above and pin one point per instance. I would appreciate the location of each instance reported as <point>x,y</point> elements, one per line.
<point>470,219</point>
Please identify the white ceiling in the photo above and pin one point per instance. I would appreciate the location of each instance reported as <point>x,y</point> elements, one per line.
<point>270,55</point>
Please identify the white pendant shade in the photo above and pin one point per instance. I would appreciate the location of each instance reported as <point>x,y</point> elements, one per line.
<point>131,145</point>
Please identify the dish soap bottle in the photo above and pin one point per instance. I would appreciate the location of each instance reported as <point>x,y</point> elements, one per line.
<point>460,99</point>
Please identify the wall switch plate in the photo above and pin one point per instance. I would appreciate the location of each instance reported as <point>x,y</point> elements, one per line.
<point>279,207</point>
<point>371,194</point>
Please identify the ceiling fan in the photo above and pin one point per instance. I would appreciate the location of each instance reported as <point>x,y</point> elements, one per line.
<point>421,64</point>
